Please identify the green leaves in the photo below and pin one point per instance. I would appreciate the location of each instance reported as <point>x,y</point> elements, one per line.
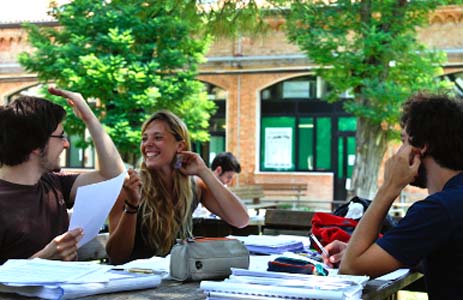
<point>133,57</point>
<point>369,47</point>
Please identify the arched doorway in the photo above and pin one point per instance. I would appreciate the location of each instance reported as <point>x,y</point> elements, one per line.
<point>300,132</point>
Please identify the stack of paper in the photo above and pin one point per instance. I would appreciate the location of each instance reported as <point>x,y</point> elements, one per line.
<point>245,284</point>
<point>51,279</point>
<point>268,244</point>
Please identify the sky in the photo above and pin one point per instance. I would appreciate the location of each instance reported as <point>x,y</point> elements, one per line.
<point>12,11</point>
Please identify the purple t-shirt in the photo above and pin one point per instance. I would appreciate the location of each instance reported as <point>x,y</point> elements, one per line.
<point>32,215</point>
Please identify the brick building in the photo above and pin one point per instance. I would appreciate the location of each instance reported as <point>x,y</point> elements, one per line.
<point>250,79</point>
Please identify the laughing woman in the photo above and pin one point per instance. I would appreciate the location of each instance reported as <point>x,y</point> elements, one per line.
<point>155,206</point>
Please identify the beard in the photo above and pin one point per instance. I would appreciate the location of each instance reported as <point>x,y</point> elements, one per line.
<point>46,164</point>
<point>421,180</point>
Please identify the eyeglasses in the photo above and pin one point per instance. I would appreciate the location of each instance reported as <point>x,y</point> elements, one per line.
<point>60,136</point>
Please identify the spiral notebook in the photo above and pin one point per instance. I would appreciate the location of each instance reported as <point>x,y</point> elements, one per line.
<point>244,284</point>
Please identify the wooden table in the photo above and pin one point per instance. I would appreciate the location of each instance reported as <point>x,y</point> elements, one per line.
<point>376,289</point>
<point>167,291</point>
<point>171,290</point>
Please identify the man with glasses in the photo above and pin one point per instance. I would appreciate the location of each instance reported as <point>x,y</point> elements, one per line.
<point>34,198</point>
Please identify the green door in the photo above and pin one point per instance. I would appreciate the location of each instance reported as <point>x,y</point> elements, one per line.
<point>345,156</point>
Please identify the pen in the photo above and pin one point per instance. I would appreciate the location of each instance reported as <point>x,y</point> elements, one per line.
<point>136,270</point>
<point>322,249</point>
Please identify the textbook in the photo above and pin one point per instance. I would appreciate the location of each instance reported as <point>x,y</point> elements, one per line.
<point>49,279</point>
<point>245,284</point>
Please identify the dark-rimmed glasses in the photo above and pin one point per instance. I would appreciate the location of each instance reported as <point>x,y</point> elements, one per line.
<point>62,136</point>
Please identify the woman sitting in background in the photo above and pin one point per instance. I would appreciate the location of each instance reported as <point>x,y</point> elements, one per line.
<point>155,207</point>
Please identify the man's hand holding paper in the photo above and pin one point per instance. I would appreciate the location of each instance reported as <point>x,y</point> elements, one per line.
<point>92,206</point>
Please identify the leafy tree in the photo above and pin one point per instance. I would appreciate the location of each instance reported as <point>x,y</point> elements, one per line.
<point>134,57</point>
<point>369,48</point>
<point>142,56</point>
<point>366,47</point>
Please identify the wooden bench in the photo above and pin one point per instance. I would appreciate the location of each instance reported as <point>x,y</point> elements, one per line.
<point>262,205</point>
<point>285,191</point>
<point>251,196</point>
<point>282,221</point>
<point>249,192</point>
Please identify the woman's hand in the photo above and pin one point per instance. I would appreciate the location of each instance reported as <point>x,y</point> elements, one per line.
<point>191,163</point>
<point>132,186</point>
<point>62,247</point>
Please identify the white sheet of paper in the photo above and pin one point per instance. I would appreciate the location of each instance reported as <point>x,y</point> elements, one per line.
<point>394,274</point>
<point>92,206</point>
<point>41,271</point>
<point>269,240</point>
<point>160,265</point>
<point>260,262</point>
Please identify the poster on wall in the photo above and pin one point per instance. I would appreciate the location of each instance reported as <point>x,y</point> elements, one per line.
<point>278,147</point>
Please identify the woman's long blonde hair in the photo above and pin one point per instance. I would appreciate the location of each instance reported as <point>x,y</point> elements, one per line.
<point>164,213</point>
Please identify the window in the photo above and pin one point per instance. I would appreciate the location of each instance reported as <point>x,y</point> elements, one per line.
<point>80,157</point>
<point>457,80</point>
<point>298,128</point>
<point>346,146</point>
<point>306,145</point>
